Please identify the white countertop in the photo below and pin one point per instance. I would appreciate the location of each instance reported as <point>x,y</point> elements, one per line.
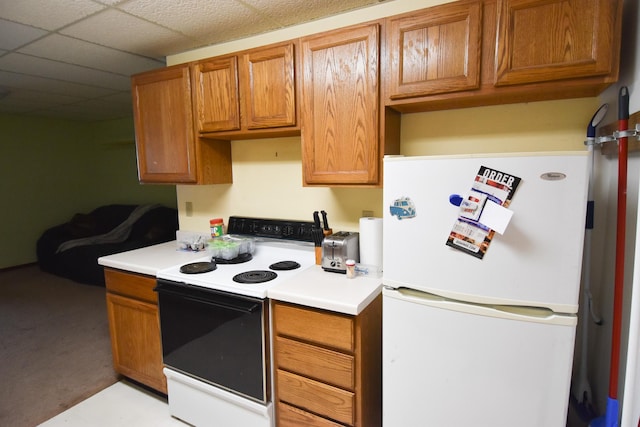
<point>312,287</point>
<point>317,288</point>
<point>150,259</point>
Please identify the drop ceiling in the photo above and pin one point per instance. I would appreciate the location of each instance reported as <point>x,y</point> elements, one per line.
<point>72,59</point>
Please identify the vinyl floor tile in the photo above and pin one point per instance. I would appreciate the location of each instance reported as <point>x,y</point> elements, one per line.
<point>121,404</point>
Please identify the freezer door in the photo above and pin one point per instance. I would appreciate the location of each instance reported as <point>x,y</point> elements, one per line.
<point>535,262</point>
<point>449,366</point>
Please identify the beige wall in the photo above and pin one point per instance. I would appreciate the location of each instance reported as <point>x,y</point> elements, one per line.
<point>267,173</point>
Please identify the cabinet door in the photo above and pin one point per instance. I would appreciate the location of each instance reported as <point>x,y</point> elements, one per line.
<point>135,340</point>
<point>216,101</point>
<point>543,40</point>
<point>164,126</point>
<point>435,51</point>
<point>268,83</point>
<point>340,107</point>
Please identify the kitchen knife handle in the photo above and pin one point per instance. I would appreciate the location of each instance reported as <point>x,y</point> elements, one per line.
<point>324,220</point>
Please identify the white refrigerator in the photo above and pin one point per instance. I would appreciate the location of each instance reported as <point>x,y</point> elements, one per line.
<point>482,257</point>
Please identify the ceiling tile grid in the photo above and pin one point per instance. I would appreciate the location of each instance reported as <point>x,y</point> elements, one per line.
<point>73,59</point>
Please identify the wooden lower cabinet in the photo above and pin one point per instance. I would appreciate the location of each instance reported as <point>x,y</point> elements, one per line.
<point>290,416</point>
<point>134,325</point>
<point>328,366</point>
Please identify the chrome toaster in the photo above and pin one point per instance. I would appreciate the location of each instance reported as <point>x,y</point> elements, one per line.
<point>337,248</point>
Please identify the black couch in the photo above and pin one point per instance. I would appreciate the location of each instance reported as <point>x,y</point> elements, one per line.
<point>86,237</point>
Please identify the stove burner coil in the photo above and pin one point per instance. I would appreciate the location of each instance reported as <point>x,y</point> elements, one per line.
<point>245,257</point>
<point>255,276</point>
<point>284,265</point>
<point>198,267</point>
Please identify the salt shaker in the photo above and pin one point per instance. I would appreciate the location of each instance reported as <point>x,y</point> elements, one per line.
<point>351,268</point>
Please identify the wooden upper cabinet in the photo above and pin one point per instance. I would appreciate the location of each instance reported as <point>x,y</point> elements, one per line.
<point>340,107</point>
<point>436,50</point>
<point>216,98</point>
<point>544,40</point>
<point>267,77</point>
<point>473,53</point>
<point>248,94</point>
<point>165,140</point>
<point>169,150</point>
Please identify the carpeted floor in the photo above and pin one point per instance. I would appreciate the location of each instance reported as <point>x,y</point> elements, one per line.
<point>54,345</point>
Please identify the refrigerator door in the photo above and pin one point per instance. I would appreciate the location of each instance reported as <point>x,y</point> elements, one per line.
<point>535,262</point>
<point>458,365</point>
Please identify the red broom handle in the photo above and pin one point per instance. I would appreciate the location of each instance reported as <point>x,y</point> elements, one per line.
<point>623,124</point>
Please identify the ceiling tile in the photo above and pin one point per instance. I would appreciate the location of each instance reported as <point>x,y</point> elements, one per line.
<point>109,105</point>
<point>23,81</point>
<point>79,52</point>
<point>141,37</point>
<point>31,98</point>
<point>50,15</point>
<point>119,97</point>
<point>203,19</point>
<point>299,11</point>
<point>13,35</point>
<point>19,63</point>
<point>76,56</point>
<point>111,2</point>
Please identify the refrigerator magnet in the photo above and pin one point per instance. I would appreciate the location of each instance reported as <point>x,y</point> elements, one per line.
<point>403,208</point>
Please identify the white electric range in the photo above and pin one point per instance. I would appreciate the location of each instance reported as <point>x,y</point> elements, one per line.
<point>215,329</point>
<point>268,252</point>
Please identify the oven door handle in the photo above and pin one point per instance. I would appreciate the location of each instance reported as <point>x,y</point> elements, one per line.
<point>240,306</point>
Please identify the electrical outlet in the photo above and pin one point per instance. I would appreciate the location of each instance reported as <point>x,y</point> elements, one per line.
<point>366,213</point>
<point>188,208</point>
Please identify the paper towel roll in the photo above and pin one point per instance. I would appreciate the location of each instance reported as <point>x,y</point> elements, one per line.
<point>371,241</point>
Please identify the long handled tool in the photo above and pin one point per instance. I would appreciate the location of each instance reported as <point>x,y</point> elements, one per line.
<point>581,389</point>
<point>611,417</point>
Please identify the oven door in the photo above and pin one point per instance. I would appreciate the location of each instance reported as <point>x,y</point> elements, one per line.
<point>214,336</point>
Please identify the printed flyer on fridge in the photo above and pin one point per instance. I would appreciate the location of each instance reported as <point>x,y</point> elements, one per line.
<point>468,233</point>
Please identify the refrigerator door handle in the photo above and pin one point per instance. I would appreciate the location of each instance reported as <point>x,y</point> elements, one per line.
<point>513,312</point>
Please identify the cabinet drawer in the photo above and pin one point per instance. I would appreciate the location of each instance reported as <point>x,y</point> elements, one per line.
<point>315,362</point>
<point>288,416</point>
<point>132,285</point>
<point>330,329</point>
<point>316,397</point>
